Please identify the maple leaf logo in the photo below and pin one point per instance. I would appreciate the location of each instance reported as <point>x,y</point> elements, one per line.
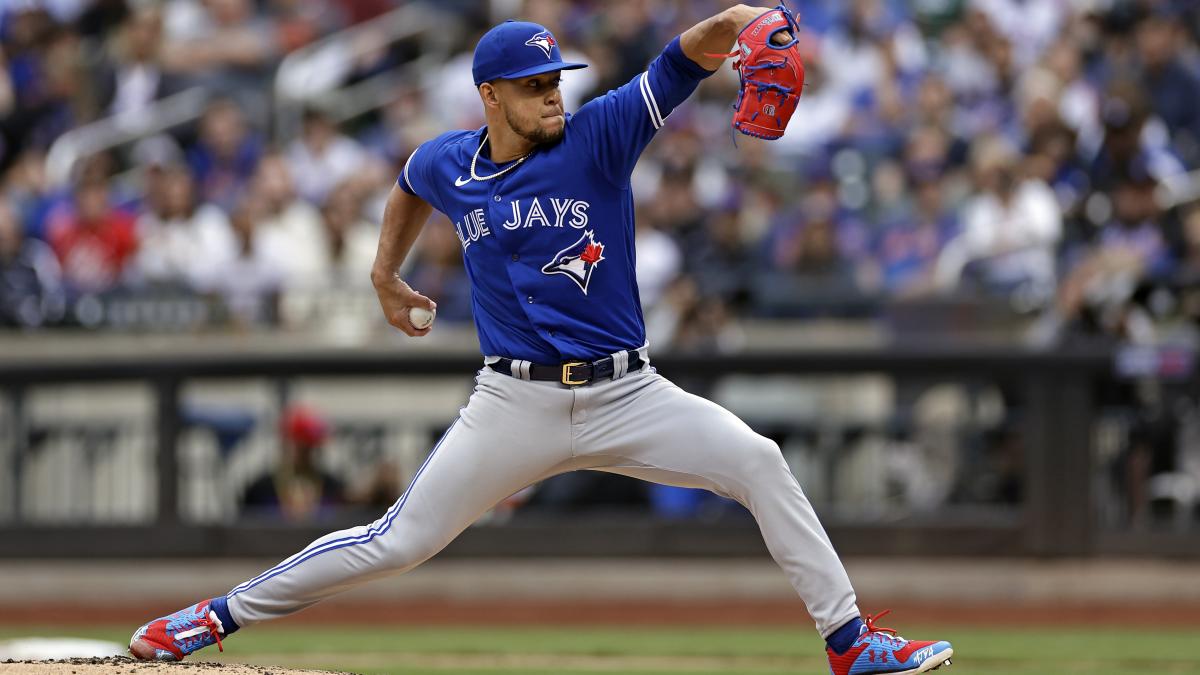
<point>592,253</point>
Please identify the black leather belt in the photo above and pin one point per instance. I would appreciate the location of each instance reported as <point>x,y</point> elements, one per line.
<point>572,373</point>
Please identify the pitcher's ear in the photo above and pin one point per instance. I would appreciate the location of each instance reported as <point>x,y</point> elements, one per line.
<point>487,93</point>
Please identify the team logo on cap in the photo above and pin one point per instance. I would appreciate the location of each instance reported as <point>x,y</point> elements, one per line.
<point>543,41</point>
<point>578,260</point>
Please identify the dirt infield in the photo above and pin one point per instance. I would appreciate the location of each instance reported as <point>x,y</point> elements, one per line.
<point>121,664</point>
<point>619,592</point>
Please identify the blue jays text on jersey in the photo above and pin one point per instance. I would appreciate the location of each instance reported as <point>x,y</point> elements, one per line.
<point>548,246</point>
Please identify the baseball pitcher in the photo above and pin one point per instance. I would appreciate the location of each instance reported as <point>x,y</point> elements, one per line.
<point>541,201</point>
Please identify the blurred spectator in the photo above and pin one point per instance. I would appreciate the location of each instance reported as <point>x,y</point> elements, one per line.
<point>858,50</point>
<point>659,262</point>
<point>965,68</point>
<point>28,191</point>
<point>321,157</point>
<point>1010,230</point>
<point>1096,295</point>
<point>290,231</point>
<point>351,239</point>
<point>908,248</point>
<point>1173,84</point>
<point>811,256</point>
<point>1030,26</point>
<point>1136,229</point>
<point>132,76</point>
<point>225,155</point>
<point>297,489</point>
<point>251,282</point>
<point>1078,99</point>
<point>879,122</point>
<point>183,242</point>
<point>455,100</point>
<point>94,241</point>
<point>98,18</point>
<point>339,297</point>
<point>225,45</point>
<point>1133,140</point>
<point>930,153</point>
<point>406,122</point>
<point>299,22</point>
<point>41,61</point>
<point>674,208</point>
<point>30,285</point>
<point>722,261</point>
<point>688,322</point>
<point>629,31</point>
<point>1052,159</point>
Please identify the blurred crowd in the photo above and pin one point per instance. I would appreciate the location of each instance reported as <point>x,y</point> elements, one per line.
<point>1034,155</point>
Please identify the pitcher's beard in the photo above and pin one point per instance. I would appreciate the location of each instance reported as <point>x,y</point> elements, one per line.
<point>537,135</point>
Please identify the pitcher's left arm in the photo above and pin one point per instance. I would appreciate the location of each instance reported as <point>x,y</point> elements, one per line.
<point>620,123</point>
<point>715,35</point>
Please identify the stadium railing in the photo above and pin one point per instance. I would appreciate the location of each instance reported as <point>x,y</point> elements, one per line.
<point>315,74</point>
<point>111,132</point>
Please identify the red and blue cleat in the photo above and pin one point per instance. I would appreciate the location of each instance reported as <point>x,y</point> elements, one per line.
<point>879,650</point>
<point>172,637</point>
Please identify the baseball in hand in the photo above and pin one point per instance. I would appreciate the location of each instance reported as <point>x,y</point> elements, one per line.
<point>420,317</point>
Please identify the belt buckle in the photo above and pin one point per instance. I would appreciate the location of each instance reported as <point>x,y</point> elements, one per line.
<point>566,374</point>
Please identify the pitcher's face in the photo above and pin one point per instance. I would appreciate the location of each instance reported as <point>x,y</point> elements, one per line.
<point>533,106</point>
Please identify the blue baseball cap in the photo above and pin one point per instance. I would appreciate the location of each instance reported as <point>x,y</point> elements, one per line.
<point>517,49</point>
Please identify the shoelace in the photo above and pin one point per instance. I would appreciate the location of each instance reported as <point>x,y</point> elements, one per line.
<point>880,630</point>
<point>206,624</point>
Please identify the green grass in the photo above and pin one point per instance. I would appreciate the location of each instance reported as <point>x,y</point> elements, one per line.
<point>676,651</point>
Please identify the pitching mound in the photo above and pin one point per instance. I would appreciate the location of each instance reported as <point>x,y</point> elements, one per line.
<point>124,664</point>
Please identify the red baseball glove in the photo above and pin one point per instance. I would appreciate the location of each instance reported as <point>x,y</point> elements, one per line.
<point>771,73</point>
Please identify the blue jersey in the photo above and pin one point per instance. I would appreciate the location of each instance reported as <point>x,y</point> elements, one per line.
<point>548,246</point>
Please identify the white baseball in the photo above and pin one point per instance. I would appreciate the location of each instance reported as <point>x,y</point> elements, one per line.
<point>420,317</point>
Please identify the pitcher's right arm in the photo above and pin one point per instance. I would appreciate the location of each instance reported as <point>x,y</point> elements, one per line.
<point>403,218</point>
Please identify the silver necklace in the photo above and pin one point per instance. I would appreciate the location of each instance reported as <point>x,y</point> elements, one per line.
<point>499,173</point>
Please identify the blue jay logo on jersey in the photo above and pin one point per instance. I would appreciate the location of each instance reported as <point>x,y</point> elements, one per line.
<point>578,260</point>
<point>543,41</point>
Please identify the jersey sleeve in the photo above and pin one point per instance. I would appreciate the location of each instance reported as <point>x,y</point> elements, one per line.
<point>417,176</point>
<point>621,123</point>
<point>420,172</point>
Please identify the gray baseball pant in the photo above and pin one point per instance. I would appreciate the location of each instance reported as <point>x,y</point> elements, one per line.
<point>516,432</point>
